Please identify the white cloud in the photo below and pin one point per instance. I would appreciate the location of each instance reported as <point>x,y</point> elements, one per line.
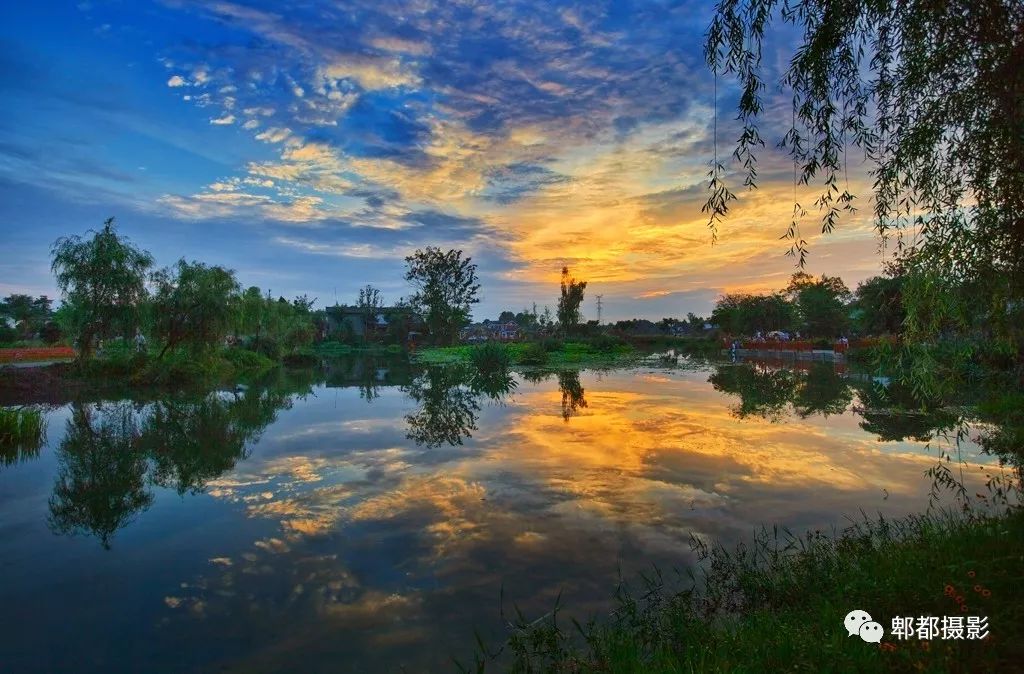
<point>176,81</point>
<point>274,135</point>
<point>223,121</point>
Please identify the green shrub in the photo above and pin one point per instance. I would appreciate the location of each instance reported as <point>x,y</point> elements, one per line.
<point>606,343</point>
<point>552,344</point>
<point>491,357</point>
<point>533,354</point>
<point>264,346</point>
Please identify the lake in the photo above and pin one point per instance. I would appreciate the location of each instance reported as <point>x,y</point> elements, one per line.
<point>372,515</point>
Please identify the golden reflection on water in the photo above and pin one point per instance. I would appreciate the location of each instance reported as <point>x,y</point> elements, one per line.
<point>543,495</point>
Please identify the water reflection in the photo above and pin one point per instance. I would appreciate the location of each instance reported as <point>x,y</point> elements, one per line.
<point>770,391</point>
<point>112,453</point>
<point>448,402</point>
<point>371,537</point>
<point>101,479</point>
<point>572,393</point>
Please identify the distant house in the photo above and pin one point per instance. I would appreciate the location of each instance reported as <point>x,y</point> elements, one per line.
<point>506,331</point>
<point>354,320</point>
<point>487,330</point>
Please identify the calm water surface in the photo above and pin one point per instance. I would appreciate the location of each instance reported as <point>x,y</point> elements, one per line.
<point>365,518</point>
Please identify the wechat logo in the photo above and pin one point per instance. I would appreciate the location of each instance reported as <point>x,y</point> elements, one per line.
<point>860,623</point>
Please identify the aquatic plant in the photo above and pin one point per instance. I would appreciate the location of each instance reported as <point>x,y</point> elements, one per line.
<point>491,357</point>
<point>22,433</point>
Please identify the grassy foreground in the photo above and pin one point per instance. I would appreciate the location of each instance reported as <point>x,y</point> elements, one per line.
<point>779,605</point>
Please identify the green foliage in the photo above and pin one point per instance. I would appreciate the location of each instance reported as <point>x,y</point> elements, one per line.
<point>27,314</point>
<point>533,354</point>
<point>244,359</point>
<point>744,314</point>
<point>274,328</point>
<point>22,433</point>
<point>193,305</point>
<point>491,357</point>
<point>446,287</point>
<point>102,279</point>
<point>820,304</point>
<point>777,603</point>
<point>569,301</point>
<point>552,344</point>
<point>879,303</point>
<point>8,335</point>
<point>606,343</point>
<point>930,93</point>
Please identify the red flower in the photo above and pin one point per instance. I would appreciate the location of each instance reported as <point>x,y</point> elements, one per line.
<point>970,574</point>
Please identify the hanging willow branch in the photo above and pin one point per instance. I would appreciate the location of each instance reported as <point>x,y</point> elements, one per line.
<point>932,94</point>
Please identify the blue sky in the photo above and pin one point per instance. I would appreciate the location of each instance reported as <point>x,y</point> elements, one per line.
<point>311,146</point>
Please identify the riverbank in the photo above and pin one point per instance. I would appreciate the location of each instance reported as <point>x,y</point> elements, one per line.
<point>779,605</point>
<point>595,352</point>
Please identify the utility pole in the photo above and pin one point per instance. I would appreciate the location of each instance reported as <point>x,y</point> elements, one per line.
<point>599,309</point>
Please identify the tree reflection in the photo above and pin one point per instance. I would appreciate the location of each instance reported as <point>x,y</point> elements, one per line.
<point>894,414</point>
<point>572,393</point>
<point>763,391</point>
<point>112,453</point>
<point>890,412</point>
<point>447,410</point>
<point>822,391</point>
<point>101,476</point>
<point>449,402</point>
<point>194,441</point>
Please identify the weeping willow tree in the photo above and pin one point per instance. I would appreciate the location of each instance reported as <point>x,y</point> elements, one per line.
<point>931,94</point>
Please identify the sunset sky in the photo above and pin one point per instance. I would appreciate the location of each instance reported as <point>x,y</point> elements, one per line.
<point>311,145</point>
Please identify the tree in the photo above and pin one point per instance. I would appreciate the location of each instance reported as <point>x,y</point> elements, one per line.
<point>745,314</point>
<point>879,305</point>
<point>821,304</point>
<point>27,313</point>
<point>546,319</point>
<point>506,317</point>
<point>527,318</point>
<point>251,313</point>
<point>932,93</point>
<point>103,281</point>
<point>570,300</point>
<point>446,287</point>
<point>192,305</point>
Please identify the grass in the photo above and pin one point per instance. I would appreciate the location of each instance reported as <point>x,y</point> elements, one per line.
<point>778,605</point>
<point>525,354</point>
<point>22,432</point>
